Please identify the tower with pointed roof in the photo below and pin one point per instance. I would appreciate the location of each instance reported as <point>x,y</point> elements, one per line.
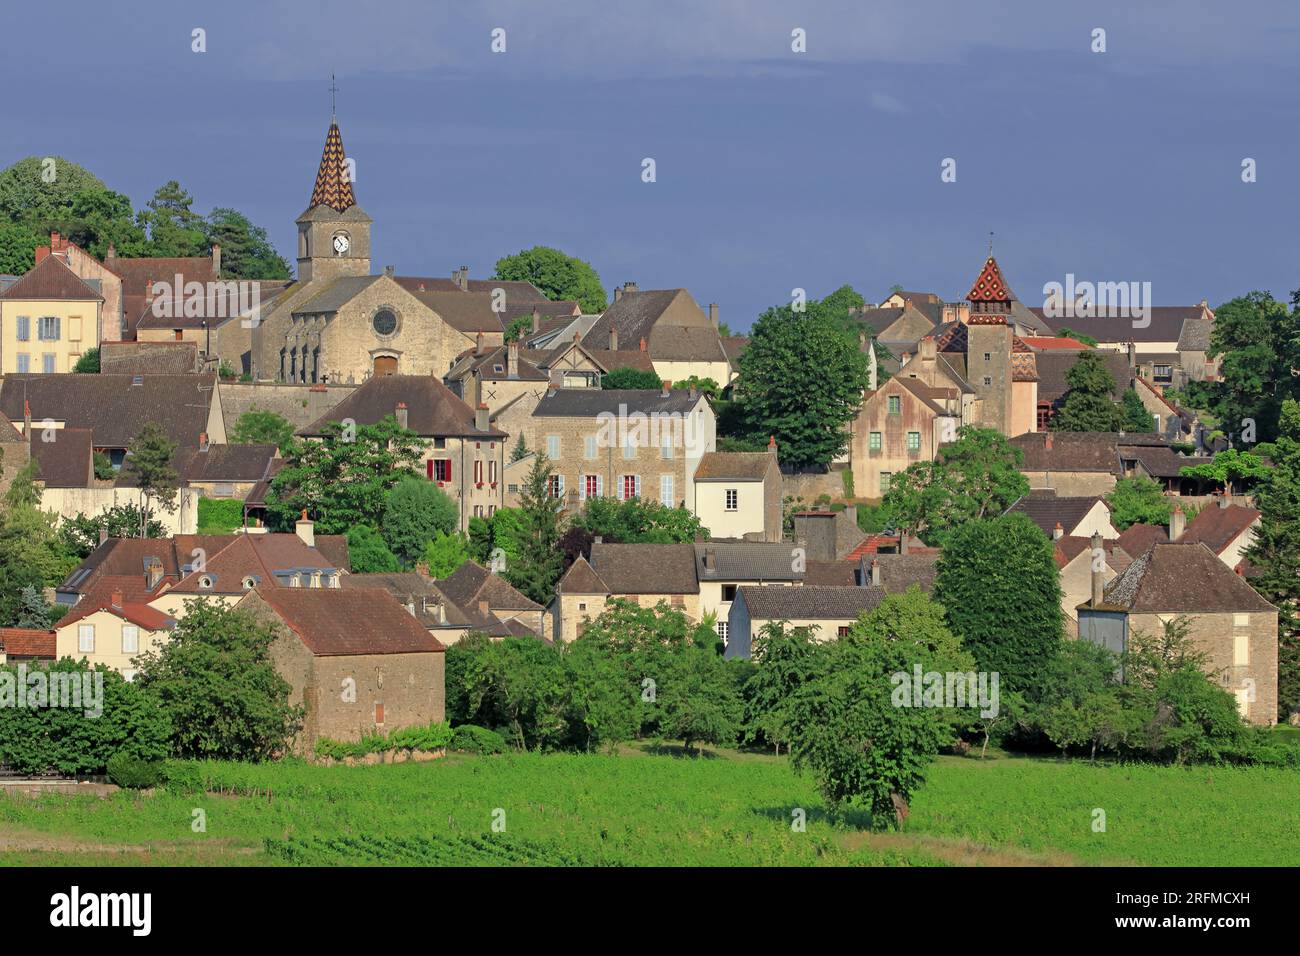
<point>989,346</point>
<point>333,232</point>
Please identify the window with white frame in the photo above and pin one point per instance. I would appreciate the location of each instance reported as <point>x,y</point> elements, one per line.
<point>629,487</point>
<point>130,639</point>
<point>722,631</point>
<point>86,638</point>
<point>553,447</point>
<point>47,328</point>
<point>913,441</point>
<point>589,447</point>
<point>666,446</point>
<point>732,499</point>
<point>591,486</point>
<point>23,328</point>
<point>666,491</point>
<point>556,483</point>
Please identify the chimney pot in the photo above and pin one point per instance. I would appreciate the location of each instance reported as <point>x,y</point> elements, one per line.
<point>403,415</point>
<point>875,572</point>
<point>666,389</point>
<point>306,530</point>
<point>117,599</point>
<point>1058,532</point>
<point>203,441</point>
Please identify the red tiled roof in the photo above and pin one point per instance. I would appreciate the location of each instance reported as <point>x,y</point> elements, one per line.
<point>101,599</point>
<point>27,642</point>
<point>50,279</point>
<point>337,622</point>
<point>1217,527</point>
<point>989,285</point>
<point>1042,343</point>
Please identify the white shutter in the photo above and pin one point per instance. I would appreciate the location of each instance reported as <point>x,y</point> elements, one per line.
<point>636,488</point>
<point>600,485</point>
<point>589,446</point>
<point>622,483</point>
<point>666,490</point>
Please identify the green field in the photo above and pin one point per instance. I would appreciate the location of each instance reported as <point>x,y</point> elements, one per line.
<point>643,808</point>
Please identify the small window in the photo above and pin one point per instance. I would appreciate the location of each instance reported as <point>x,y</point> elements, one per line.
<point>442,469</point>
<point>47,363</point>
<point>24,362</point>
<point>582,605</point>
<point>556,483</point>
<point>23,328</point>
<point>629,447</point>
<point>512,489</point>
<point>729,592</point>
<point>913,441</point>
<point>666,447</point>
<point>47,328</point>
<point>440,443</point>
<point>86,638</point>
<point>988,356</point>
<point>1241,620</point>
<point>248,584</point>
<point>885,476</point>
<point>987,381</point>
<point>732,499</point>
<point>842,631</point>
<point>553,447</point>
<point>205,583</point>
<point>895,404</point>
<point>130,639</point>
<point>1240,650</point>
<point>875,441</point>
<point>722,631</point>
<point>589,447</point>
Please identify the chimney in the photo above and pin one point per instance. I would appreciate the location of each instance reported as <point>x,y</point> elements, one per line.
<point>390,271</point>
<point>613,338</point>
<point>1177,523</point>
<point>478,343</point>
<point>410,604</point>
<point>403,415</point>
<point>694,393</point>
<point>907,357</point>
<point>902,542</point>
<point>483,608</point>
<point>710,558</point>
<point>771,444</point>
<point>103,533</point>
<point>1058,532</point>
<point>928,349</point>
<point>442,613</point>
<point>461,276</point>
<point>1223,500</point>
<point>1132,357</point>
<point>618,293</point>
<point>713,314</point>
<point>306,530</point>
<point>629,287</point>
<point>1098,572</point>
<point>216,260</point>
<point>481,419</point>
<point>110,253</point>
<point>875,572</point>
<point>41,253</point>
<point>153,574</point>
<point>550,390</point>
<point>1047,441</point>
<point>203,441</point>
<point>643,343</point>
<point>512,360</point>
<point>476,393</point>
<point>537,320</point>
<point>117,599</point>
<point>666,390</point>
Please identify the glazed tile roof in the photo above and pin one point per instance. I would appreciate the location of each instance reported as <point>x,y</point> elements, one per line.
<point>333,183</point>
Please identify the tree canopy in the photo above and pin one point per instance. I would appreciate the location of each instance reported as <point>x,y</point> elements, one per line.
<point>560,277</point>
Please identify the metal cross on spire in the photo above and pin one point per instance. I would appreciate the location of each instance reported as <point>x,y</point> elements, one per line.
<point>333,99</point>
<point>990,243</point>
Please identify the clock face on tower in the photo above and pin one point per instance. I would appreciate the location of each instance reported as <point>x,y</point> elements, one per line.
<point>341,245</point>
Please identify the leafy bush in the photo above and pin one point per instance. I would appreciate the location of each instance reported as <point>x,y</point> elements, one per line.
<point>132,772</point>
<point>435,736</point>
<point>220,516</point>
<point>477,740</point>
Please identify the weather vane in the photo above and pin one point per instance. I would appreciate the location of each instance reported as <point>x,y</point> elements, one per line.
<point>333,98</point>
<point>990,242</point>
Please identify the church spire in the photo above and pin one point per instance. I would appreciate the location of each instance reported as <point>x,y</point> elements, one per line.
<point>333,180</point>
<point>989,285</point>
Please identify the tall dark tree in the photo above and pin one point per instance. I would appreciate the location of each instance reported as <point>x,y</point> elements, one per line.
<point>999,583</point>
<point>149,463</point>
<point>174,228</point>
<point>1089,405</point>
<point>1257,342</point>
<point>539,562</point>
<point>246,252</point>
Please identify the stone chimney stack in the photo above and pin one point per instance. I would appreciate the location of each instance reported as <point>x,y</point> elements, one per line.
<point>216,260</point>
<point>461,276</point>
<point>1223,501</point>
<point>1177,523</point>
<point>482,421</point>
<point>1047,441</point>
<point>403,415</point>
<point>478,344</point>
<point>1058,532</point>
<point>771,444</point>
<point>713,314</point>
<point>203,441</point>
<point>512,360</point>
<point>875,572</point>
<point>1098,570</point>
<point>305,528</point>
<point>618,293</point>
<point>710,558</point>
<point>537,320</point>
<point>629,287</point>
<point>613,339</point>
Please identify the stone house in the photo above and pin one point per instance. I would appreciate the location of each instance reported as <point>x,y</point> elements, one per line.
<point>1062,516</point>
<point>738,494</point>
<point>902,422</point>
<point>1084,464</point>
<point>356,658</point>
<point>680,340</point>
<point>105,628</point>
<point>623,443</point>
<point>463,453</point>
<point>1235,627</point>
<point>225,471</point>
<point>1074,558</point>
<point>645,574</point>
<point>1226,529</point>
<point>472,586</point>
<point>829,611</point>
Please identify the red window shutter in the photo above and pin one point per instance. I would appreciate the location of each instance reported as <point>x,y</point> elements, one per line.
<point>449,469</point>
<point>428,465</point>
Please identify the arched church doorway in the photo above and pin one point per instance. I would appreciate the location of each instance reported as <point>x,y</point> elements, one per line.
<point>385,365</point>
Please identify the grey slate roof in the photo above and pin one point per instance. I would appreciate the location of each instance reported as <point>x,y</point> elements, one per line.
<point>646,568</point>
<point>1166,324</point>
<point>1195,336</point>
<point>1181,578</point>
<point>337,294</point>
<point>733,466</point>
<point>589,402</point>
<point>898,572</point>
<point>808,602</point>
<point>746,561</point>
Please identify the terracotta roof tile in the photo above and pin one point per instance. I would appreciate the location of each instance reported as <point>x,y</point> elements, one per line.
<point>336,622</point>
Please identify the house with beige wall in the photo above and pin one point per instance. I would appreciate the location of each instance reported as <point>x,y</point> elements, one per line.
<point>902,422</point>
<point>107,629</point>
<point>48,318</point>
<point>669,326</point>
<point>738,494</point>
<point>827,610</point>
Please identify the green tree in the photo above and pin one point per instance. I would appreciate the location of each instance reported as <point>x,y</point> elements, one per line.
<point>1257,342</point>
<point>520,449</point>
<point>34,612</point>
<point>786,659</point>
<point>1133,415</point>
<point>639,520</point>
<point>345,478</point>
<point>1229,468</point>
<point>974,477</point>
<point>174,228</point>
<point>631,378</point>
<point>1138,500</point>
<point>80,534</point>
<point>32,553</point>
<point>1274,553</point>
<point>368,551</point>
<point>417,512</point>
<point>1089,405</point>
<point>1068,333</point>
<point>39,192</point>
<point>18,242</point>
<point>850,730</point>
<point>697,699</point>
<point>259,426</point>
<point>445,553</point>
<point>88,362</point>
<point>998,581</point>
<point>246,251</point>
<point>539,562</point>
<point>215,679</point>
<point>149,463</point>
<point>803,377</point>
<point>560,277</point>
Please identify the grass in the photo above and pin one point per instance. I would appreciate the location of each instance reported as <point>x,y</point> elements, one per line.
<point>646,807</point>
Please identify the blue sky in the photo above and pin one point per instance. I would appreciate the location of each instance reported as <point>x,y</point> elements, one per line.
<point>774,169</point>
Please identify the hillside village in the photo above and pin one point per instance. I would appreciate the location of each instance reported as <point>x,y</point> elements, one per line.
<point>490,392</point>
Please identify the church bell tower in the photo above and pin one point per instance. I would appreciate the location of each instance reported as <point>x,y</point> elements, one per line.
<point>333,232</point>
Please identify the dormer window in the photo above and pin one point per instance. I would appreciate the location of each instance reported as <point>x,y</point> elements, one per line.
<point>249,583</point>
<point>205,583</point>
